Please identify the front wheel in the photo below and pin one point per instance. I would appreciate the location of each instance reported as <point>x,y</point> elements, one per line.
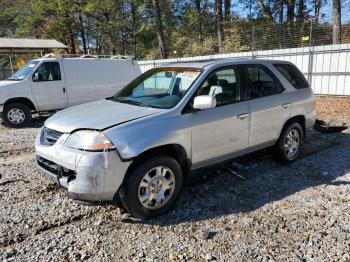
<point>289,145</point>
<point>17,115</point>
<point>153,187</point>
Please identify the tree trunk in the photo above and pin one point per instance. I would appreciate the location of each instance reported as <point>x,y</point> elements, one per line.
<point>227,10</point>
<point>265,10</point>
<point>82,31</point>
<point>134,26</point>
<point>159,29</point>
<point>336,22</point>
<point>219,25</point>
<point>290,11</point>
<point>317,7</point>
<point>281,32</point>
<point>280,18</point>
<point>69,21</point>
<point>200,23</point>
<point>300,15</point>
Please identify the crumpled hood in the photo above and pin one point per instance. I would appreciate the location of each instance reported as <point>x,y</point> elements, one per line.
<point>97,115</point>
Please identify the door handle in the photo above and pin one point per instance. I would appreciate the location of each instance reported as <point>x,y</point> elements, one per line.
<point>64,89</point>
<point>286,105</point>
<point>242,116</point>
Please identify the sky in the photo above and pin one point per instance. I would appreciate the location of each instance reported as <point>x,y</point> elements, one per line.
<point>326,11</point>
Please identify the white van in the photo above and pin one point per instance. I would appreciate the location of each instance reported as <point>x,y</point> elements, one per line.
<point>56,82</point>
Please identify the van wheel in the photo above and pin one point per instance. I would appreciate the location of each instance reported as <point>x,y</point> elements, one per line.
<point>152,188</point>
<point>290,143</point>
<point>17,115</point>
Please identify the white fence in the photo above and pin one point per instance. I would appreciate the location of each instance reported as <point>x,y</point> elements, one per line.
<point>326,67</point>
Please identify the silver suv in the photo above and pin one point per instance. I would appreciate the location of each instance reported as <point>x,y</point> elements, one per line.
<point>139,145</point>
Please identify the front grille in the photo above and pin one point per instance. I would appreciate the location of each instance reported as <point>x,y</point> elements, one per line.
<point>49,136</point>
<point>55,168</point>
<point>48,165</point>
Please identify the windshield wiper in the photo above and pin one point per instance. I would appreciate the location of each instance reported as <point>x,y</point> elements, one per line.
<point>12,78</point>
<point>157,106</point>
<point>131,102</point>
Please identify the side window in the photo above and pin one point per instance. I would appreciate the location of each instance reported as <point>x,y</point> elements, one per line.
<point>261,81</point>
<point>49,71</point>
<point>224,84</point>
<point>293,75</point>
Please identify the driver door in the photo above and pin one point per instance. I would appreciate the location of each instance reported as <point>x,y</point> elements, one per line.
<point>48,87</point>
<point>221,132</point>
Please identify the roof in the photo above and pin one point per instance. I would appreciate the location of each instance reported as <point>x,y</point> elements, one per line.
<point>21,45</point>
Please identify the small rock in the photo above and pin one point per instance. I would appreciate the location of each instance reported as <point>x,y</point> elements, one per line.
<point>208,257</point>
<point>172,257</point>
<point>98,222</point>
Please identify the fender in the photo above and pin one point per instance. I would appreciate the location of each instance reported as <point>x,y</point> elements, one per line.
<point>133,138</point>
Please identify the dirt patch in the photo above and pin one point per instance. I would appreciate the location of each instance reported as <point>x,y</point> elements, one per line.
<point>333,108</point>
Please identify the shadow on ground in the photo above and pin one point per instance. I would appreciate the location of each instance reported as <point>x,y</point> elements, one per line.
<point>37,122</point>
<point>214,193</point>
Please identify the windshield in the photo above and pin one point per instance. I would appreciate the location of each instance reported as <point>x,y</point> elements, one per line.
<point>24,71</point>
<point>159,88</point>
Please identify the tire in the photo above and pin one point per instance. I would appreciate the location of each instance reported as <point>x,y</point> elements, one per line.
<point>290,143</point>
<point>17,115</point>
<point>139,185</point>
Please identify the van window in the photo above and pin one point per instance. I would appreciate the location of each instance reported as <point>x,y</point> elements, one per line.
<point>49,71</point>
<point>24,71</point>
<point>261,81</point>
<point>293,75</point>
<point>224,84</point>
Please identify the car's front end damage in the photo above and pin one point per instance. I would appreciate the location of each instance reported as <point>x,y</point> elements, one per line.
<point>93,173</point>
<point>73,149</point>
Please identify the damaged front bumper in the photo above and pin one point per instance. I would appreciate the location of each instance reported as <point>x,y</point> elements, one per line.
<point>90,176</point>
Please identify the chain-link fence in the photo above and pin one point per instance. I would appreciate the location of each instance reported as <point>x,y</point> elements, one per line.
<point>268,36</point>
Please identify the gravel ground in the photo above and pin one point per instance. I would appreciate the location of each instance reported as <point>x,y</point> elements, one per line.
<point>272,212</point>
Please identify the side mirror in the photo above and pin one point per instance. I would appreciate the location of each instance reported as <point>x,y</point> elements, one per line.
<point>36,77</point>
<point>204,102</point>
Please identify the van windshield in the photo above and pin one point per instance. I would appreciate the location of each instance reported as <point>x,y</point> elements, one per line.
<point>159,87</point>
<point>24,71</point>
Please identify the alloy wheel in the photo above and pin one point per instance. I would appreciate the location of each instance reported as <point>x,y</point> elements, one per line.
<point>156,187</point>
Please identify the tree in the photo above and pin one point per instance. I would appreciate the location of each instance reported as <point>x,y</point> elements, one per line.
<point>317,7</point>
<point>219,23</point>
<point>159,29</point>
<point>290,11</point>
<point>227,9</point>
<point>199,14</point>
<point>300,14</point>
<point>265,10</point>
<point>336,22</point>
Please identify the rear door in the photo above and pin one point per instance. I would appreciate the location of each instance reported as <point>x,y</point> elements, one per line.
<point>49,90</point>
<point>220,132</point>
<point>269,103</point>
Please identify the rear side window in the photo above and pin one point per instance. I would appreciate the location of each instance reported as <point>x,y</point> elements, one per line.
<point>261,81</point>
<point>293,75</point>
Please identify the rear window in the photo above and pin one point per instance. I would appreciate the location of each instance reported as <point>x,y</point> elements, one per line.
<point>293,75</point>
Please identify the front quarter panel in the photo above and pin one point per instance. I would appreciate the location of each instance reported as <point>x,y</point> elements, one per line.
<point>13,89</point>
<point>135,137</point>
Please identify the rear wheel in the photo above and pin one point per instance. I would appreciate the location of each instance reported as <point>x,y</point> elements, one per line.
<point>290,143</point>
<point>17,115</point>
<point>153,187</point>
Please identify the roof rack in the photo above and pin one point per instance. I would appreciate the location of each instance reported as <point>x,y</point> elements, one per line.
<point>185,60</point>
<point>88,56</point>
